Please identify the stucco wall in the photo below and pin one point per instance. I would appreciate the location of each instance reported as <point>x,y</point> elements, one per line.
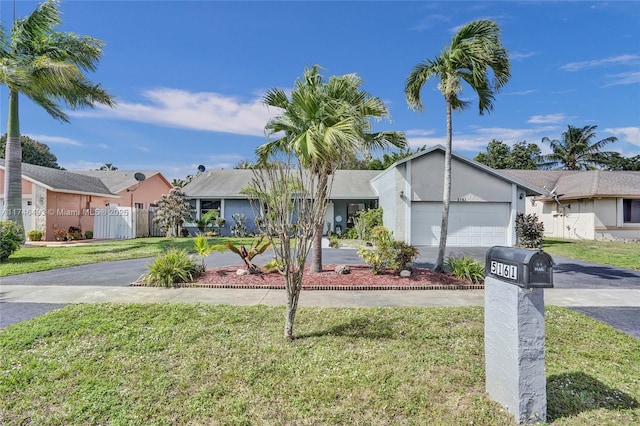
<point>585,219</point>
<point>468,183</point>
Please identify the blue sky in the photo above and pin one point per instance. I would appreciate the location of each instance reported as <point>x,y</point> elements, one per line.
<point>189,76</point>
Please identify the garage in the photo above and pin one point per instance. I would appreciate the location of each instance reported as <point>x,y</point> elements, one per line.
<point>470,224</point>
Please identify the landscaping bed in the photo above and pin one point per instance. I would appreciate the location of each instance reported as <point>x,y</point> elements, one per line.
<point>360,278</point>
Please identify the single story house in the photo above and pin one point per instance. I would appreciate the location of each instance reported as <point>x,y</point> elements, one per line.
<point>482,213</point>
<point>58,199</point>
<point>586,205</point>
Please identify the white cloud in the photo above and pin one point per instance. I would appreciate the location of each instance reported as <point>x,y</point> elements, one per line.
<point>103,146</point>
<point>624,78</point>
<point>59,140</point>
<point>614,60</point>
<point>142,148</point>
<point>547,118</point>
<point>626,134</point>
<point>520,55</point>
<point>81,165</point>
<point>418,132</point>
<point>198,111</point>
<point>522,93</point>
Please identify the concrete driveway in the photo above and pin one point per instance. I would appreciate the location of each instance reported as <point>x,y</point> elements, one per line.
<point>602,292</point>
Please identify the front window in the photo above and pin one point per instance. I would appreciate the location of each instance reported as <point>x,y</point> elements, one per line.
<point>352,210</point>
<point>631,211</point>
<point>206,205</point>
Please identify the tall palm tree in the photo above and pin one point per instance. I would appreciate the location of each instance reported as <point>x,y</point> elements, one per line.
<point>577,150</point>
<point>474,50</point>
<point>323,121</point>
<point>46,66</point>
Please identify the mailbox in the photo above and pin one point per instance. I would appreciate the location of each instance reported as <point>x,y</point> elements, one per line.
<point>522,267</point>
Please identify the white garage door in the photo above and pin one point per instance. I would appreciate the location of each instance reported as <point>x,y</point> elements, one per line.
<point>470,224</point>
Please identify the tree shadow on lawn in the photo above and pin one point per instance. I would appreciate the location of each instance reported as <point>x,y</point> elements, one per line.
<point>570,394</point>
<point>358,327</point>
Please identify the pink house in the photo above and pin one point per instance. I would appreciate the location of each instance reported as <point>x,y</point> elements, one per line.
<point>58,199</point>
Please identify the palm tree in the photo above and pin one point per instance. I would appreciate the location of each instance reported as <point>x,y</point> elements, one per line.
<point>322,122</point>
<point>474,49</point>
<point>108,167</point>
<point>46,66</point>
<point>576,150</point>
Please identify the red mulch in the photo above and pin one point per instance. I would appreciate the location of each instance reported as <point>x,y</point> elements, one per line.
<point>360,278</point>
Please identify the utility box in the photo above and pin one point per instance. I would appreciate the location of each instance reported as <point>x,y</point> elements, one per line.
<point>514,330</point>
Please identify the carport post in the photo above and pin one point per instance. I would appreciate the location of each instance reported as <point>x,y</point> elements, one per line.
<point>514,330</point>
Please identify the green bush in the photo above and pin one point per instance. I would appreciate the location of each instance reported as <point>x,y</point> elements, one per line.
<point>365,221</point>
<point>274,265</point>
<point>465,268</point>
<point>387,252</point>
<point>334,241</point>
<point>11,236</point>
<point>171,268</point>
<point>88,235</point>
<point>35,235</point>
<point>530,230</point>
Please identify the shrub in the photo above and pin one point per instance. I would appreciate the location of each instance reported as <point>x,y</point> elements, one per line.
<point>11,236</point>
<point>88,235</point>
<point>367,220</point>
<point>465,268</point>
<point>387,252</point>
<point>74,233</point>
<point>274,265</point>
<point>334,241</point>
<point>35,235</point>
<point>349,234</point>
<point>171,268</point>
<point>59,234</point>
<point>239,227</point>
<point>530,230</point>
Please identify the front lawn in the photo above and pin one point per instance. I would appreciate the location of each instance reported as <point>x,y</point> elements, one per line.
<point>44,258</point>
<point>613,253</point>
<point>163,364</point>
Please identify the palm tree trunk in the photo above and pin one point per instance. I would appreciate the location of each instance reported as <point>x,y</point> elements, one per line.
<point>13,165</point>
<point>316,256</point>
<point>446,193</point>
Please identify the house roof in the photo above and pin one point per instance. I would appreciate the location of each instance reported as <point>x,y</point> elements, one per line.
<point>572,184</point>
<point>347,184</point>
<point>63,180</point>
<point>530,188</point>
<point>119,180</point>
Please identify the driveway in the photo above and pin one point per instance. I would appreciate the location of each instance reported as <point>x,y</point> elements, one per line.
<point>582,282</point>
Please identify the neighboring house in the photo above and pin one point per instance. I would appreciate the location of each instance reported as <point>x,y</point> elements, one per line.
<point>58,199</point>
<point>587,205</point>
<point>483,209</point>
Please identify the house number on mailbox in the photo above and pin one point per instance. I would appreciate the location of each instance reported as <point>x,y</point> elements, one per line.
<point>504,270</point>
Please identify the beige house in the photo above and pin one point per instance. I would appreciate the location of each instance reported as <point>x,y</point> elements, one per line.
<point>58,199</point>
<point>587,205</point>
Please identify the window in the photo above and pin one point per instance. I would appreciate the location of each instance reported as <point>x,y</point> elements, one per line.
<point>352,209</point>
<point>206,205</point>
<point>631,211</point>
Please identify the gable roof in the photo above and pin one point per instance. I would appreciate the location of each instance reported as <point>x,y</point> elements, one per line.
<point>574,184</point>
<point>63,180</point>
<point>347,184</point>
<point>530,188</point>
<point>119,180</point>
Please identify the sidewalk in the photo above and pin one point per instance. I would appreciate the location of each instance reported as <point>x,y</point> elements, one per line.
<point>243,297</point>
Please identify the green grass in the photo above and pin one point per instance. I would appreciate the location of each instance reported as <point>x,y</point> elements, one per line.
<point>614,253</point>
<point>40,258</point>
<point>163,364</point>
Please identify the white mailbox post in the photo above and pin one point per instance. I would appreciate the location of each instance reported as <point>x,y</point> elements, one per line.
<point>514,330</point>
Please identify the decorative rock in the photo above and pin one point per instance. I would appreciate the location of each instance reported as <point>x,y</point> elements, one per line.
<point>343,269</point>
<point>242,272</point>
<point>405,273</point>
